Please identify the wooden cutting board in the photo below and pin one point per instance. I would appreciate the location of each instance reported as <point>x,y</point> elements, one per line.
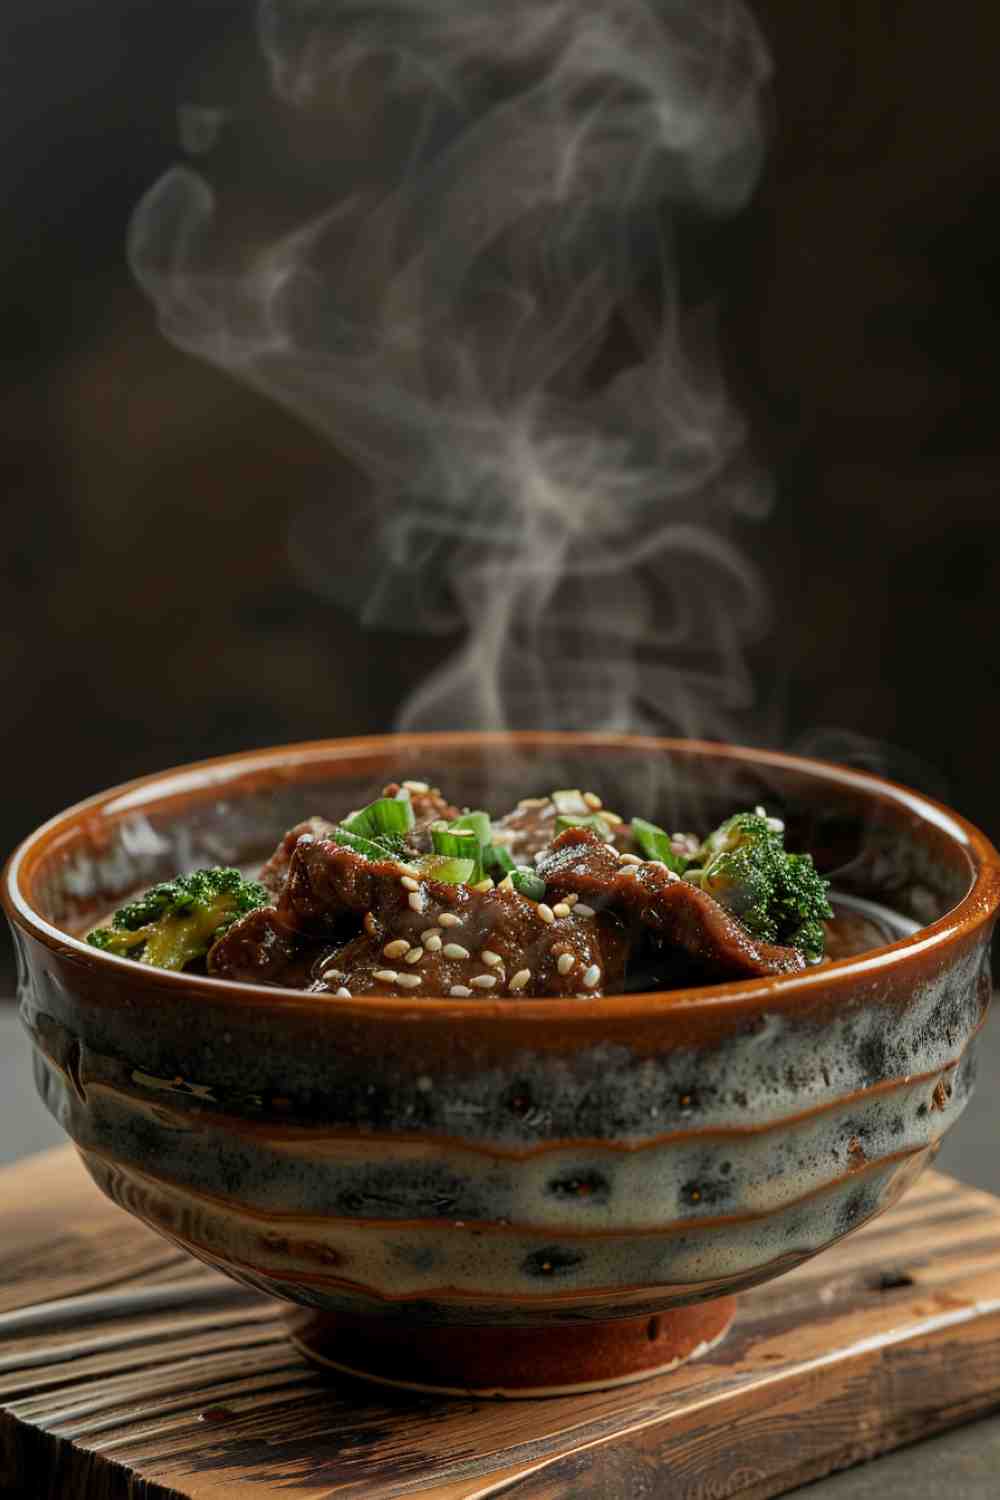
<point>127,1369</point>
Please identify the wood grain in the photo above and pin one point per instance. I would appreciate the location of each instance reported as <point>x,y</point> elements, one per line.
<point>891,1335</point>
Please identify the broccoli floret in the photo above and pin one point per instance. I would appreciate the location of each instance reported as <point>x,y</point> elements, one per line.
<point>176,922</point>
<point>378,847</point>
<point>778,897</point>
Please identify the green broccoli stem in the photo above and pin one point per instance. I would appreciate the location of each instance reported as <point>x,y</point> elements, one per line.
<point>777,896</point>
<point>176,922</point>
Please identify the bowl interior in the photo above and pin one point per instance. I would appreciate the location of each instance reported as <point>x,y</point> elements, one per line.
<point>875,841</point>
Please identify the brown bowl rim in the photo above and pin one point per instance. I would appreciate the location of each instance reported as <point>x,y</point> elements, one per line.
<point>977,907</point>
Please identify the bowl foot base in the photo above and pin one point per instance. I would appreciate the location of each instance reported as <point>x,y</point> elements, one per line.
<point>554,1359</point>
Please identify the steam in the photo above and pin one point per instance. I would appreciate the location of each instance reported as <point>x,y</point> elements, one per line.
<point>458,258</point>
<point>847,747</point>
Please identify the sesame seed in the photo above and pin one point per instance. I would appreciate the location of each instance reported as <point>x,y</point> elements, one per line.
<point>449,919</point>
<point>408,883</point>
<point>408,981</point>
<point>414,956</point>
<point>343,994</point>
<point>455,950</point>
<point>760,811</point>
<point>385,976</point>
<point>430,932</point>
<point>629,859</point>
<point>460,990</point>
<point>582,910</point>
<point>369,924</point>
<point>416,786</point>
<point>775,825</point>
<point>527,802</point>
<point>560,909</point>
<point>415,901</point>
<point>396,948</point>
<point>546,913</point>
<point>433,944</point>
<point>485,981</point>
<point>592,978</point>
<point>592,800</point>
<point>565,963</point>
<point>610,817</point>
<point>410,871</point>
<point>484,885</point>
<point>491,958</point>
<point>571,899</point>
<point>520,979</point>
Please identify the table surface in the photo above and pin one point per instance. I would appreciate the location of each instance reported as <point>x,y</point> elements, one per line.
<point>963,1464</point>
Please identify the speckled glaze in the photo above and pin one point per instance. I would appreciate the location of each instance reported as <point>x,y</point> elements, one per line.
<point>543,1191</point>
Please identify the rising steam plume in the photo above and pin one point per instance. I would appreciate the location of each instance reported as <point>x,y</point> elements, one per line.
<point>466,276</point>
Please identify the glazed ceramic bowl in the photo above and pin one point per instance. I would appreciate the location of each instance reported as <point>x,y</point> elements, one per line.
<point>513,1195</point>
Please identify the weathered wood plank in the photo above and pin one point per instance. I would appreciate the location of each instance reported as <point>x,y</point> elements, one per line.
<point>57,1240</point>
<point>891,1335</point>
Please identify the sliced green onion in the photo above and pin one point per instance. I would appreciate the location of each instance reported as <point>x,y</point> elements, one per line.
<point>527,883</point>
<point>593,821</point>
<point>448,871</point>
<point>654,843</point>
<point>479,823</point>
<point>359,822</point>
<point>370,848</point>
<point>460,842</point>
<point>467,835</point>
<point>384,815</point>
<point>497,861</point>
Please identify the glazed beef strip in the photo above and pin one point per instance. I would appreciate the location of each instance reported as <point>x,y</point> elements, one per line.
<point>322,891</point>
<point>437,934</point>
<point>603,912</point>
<point>442,940</point>
<point>481,944</point>
<point>261,949</point>
<point>673,910</point>
<point>275,872</point>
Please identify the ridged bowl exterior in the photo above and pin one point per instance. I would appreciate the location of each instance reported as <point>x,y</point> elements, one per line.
<point>506,1162</point>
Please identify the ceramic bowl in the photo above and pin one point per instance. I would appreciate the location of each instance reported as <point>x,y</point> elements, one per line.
<point>514,1196</point>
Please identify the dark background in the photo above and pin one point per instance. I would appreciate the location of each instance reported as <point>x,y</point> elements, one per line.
<point>148,611</point>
